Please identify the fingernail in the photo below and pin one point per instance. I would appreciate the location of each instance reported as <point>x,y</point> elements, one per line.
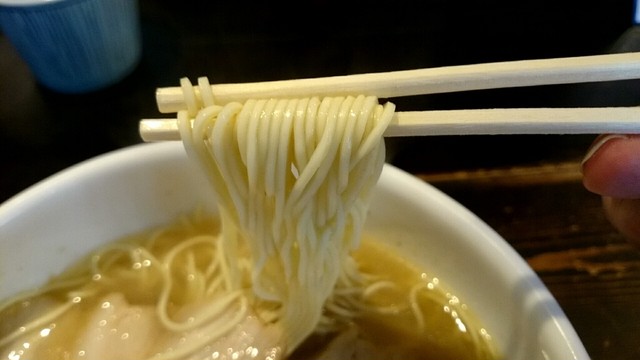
<point>599,143</point>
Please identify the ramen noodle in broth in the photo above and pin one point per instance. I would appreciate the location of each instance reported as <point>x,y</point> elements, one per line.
<point>283,271</point>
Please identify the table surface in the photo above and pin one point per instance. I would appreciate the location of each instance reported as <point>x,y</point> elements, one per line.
<point>528,188</point>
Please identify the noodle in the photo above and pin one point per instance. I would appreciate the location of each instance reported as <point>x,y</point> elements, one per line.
<point>294,177</point>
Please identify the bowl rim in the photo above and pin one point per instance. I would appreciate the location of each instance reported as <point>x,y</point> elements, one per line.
<point>33,4</point>
<point>495,244</point>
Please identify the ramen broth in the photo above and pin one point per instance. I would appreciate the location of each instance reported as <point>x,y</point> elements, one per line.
<point>120,305</point>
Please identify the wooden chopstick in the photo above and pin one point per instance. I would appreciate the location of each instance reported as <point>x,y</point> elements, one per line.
<point>475,122</point>
<point>426,81</point>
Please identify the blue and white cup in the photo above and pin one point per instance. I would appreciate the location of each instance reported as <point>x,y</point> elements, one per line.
<point>74,46</point>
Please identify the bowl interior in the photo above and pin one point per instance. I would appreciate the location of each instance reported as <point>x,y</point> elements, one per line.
<point>45,228</point>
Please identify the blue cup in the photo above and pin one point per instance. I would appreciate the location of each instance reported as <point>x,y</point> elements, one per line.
<point>74,46</point>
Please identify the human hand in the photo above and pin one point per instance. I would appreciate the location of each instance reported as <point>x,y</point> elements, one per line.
<point>612,169</point>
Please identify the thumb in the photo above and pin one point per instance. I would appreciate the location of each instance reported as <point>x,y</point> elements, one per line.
<point>612,166</point>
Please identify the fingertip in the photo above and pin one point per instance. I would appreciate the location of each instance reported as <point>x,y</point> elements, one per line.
<point>612,166</point>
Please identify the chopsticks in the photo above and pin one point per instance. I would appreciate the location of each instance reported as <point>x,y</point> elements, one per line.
<point>475,122</point>
<point>442,80</point>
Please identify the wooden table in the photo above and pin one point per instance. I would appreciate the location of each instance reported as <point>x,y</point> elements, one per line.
<point>528,188</point>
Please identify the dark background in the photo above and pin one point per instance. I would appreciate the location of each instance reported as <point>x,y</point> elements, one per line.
<point>526,187</point>
<point>42,132</point>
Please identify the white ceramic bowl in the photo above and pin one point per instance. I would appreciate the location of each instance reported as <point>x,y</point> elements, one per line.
<point>62,218</point>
